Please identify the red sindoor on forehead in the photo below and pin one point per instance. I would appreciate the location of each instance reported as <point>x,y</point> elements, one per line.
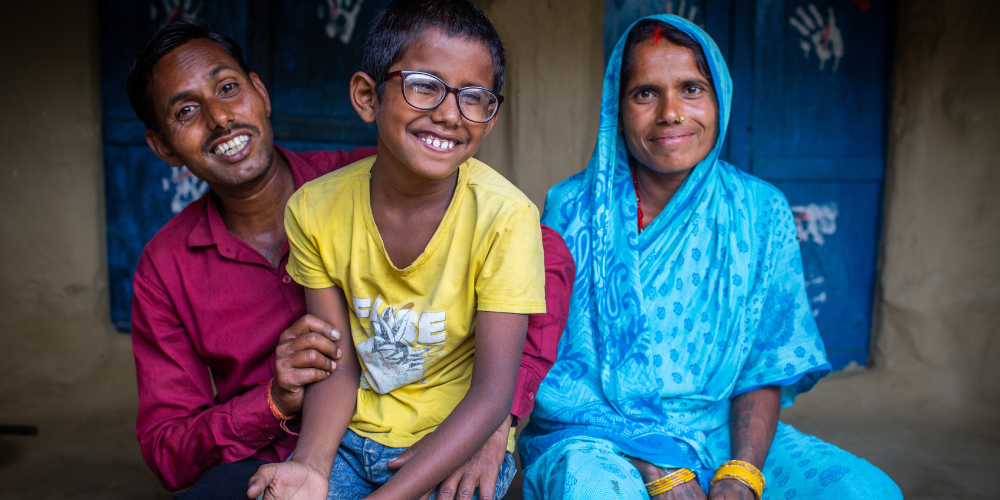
<point>657,34</point>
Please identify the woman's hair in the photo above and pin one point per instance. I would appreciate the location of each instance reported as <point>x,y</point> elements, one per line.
<point>655,29</point>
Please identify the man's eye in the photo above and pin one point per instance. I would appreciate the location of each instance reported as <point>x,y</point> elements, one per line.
<point>185,111</point>
<point>229,87</point>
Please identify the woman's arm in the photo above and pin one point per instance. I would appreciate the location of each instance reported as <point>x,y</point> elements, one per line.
<point>326,413</point>
<point>499,343</point>
<point>753,419</point>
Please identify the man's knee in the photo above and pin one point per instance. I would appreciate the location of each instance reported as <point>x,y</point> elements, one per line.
<point>223,482</point>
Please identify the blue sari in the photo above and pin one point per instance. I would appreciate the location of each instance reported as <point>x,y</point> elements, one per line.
<point>667,326</point>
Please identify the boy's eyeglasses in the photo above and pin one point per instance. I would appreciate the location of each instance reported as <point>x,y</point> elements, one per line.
<point>425,91</point>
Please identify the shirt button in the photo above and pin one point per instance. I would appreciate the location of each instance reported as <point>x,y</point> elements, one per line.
<point>531,396</point>
<point>268,436</point>
<point>286,279</point>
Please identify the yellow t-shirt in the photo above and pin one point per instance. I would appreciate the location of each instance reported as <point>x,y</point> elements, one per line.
<point>414,328</point>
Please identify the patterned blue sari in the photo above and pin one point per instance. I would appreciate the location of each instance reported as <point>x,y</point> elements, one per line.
<point>667,326</point>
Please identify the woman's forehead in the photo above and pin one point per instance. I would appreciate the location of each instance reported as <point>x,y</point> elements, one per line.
<point>664,59</point>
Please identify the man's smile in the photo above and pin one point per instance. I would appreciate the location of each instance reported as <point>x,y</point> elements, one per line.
<point>233,146</point>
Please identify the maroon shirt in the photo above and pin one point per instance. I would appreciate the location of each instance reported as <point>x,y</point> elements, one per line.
<point>209,308</point>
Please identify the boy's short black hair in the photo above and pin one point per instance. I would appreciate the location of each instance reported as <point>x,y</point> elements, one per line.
<point>400,24</point>
<point>654,28</point>
<point>163,42</point>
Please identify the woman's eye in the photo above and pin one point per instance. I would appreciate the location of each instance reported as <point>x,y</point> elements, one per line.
<point>692,89</point>
<point>644,95</point>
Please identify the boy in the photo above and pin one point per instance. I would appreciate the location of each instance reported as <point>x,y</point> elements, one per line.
<point>429,258</point>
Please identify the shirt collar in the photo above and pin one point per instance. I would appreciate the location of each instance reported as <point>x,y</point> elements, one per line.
<point>211,229</point>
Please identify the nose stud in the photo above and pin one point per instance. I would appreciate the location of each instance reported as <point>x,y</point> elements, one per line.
<point>681,119</point>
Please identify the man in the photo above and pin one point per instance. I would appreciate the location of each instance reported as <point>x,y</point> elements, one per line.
<point>223,349</point>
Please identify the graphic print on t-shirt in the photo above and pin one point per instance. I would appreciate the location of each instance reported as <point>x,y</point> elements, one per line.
<point>390,353</point>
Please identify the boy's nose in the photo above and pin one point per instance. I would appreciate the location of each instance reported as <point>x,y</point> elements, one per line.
<point>447,113</point>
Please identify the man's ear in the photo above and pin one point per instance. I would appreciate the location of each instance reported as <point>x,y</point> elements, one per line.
<point>259,86</point>
<point>363,96</point>
<point>160,147</point>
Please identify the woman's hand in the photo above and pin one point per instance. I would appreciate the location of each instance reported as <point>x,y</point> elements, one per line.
<point>730,489</point>
<point>289,481</point>
<point>690,490</point>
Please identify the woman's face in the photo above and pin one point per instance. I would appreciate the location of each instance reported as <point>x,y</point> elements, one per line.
<point>665,85</point>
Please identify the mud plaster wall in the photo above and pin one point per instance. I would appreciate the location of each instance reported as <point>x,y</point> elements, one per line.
<point>940,272</point>
<point>56,342</point>
<point>939,311</point>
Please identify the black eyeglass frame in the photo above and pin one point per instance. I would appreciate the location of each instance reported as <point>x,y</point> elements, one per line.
<point>447,90</point>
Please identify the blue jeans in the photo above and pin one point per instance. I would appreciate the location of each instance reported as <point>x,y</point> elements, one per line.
<point>362,466</point>
<point>223,482</point>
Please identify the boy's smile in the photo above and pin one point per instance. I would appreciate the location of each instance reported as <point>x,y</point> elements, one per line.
<point>431,144</point>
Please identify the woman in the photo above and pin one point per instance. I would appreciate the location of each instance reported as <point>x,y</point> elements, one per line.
<point>689,325</point>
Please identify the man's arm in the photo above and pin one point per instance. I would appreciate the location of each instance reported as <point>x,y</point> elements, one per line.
<point>182,432</point>
<point>327,411</point>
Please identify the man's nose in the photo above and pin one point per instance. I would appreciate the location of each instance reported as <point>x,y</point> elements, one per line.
<point>219,114</point>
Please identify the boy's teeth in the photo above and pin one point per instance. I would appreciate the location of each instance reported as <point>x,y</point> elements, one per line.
<point>437,143</point>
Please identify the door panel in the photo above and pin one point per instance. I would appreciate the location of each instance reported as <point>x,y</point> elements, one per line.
<point>809,114</point>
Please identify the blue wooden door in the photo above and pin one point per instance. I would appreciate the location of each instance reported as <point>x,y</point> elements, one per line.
<point>809,115</point>
<point>304,51</point>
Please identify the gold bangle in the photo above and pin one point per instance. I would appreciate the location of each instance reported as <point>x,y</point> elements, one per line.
<point>669,482</point>
<point>742,472</point>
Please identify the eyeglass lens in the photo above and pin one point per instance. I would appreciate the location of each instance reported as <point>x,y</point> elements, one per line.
<point>426,92</point>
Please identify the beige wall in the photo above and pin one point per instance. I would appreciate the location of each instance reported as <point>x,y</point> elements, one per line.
<point>940,280</point>
<point>55,335</point>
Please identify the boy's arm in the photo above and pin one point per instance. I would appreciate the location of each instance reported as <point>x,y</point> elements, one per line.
<point>499,344</point>
<point>326,413</point>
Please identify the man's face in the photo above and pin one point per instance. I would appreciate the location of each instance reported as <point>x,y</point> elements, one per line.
<point>214,117</point>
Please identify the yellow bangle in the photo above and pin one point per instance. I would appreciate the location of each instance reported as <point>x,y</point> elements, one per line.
<point>669,482</point>
<point>743,472</point>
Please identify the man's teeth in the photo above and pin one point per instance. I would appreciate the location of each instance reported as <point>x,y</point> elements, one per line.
<point>232,147</point>
<point>438,143</point>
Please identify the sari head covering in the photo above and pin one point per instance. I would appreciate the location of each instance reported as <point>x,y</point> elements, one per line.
<point>666,326</point>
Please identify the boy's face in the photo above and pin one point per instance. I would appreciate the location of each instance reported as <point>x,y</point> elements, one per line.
<point>403,129</point>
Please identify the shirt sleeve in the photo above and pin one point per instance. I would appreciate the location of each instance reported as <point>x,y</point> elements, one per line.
<point>545,329</point>
<point>182,432</point>
<point>512,278</point>
<point>305,263</point>
<point>787,350</point>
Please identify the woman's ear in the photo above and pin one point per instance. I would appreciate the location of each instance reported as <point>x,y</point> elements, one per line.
<point>363,96</point>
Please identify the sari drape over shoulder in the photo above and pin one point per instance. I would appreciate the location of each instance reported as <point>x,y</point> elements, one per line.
<point>667,326</point>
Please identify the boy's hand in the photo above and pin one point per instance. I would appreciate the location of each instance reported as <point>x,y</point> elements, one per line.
<point>480,471</point>
<point>289,481</point>
<point>304,355</point>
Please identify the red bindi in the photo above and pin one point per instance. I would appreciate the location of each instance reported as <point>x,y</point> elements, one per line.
<point>657,35</point>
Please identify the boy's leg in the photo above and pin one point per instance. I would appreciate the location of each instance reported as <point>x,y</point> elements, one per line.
<point>350,479</point>
<point>223,482</point>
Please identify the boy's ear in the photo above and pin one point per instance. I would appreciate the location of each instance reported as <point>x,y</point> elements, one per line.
<point>160,147</point>
<point>363,96</point>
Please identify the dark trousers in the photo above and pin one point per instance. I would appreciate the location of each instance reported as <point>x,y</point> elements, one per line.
<point>223,482</point>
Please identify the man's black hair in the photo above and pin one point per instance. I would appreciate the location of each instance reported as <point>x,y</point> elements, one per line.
<point>163,42</point>
<point>653,28</point>
<point>398,26</point>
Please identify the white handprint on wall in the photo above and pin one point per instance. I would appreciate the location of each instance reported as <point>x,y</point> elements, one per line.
<point>173,10</point>
<point>813,221</point>
<point>822,35</point>
<point>681,8</point>
<point>341,16</point>
<point>186,186</point>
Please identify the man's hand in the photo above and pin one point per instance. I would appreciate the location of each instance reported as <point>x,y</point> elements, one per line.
<point>730,489</point>
<point>690,490</point>
<point>305,354</point>
<point>289,481</point>
<point>480,471</point>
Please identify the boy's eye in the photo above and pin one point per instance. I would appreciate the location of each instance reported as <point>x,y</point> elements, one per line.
<point>472,99</point>
<point>423,88</point>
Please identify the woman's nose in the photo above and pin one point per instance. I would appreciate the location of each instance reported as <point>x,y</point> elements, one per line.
<point>670,111</point>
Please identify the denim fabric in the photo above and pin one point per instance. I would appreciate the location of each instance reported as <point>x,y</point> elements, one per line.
<point>362,466</point>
